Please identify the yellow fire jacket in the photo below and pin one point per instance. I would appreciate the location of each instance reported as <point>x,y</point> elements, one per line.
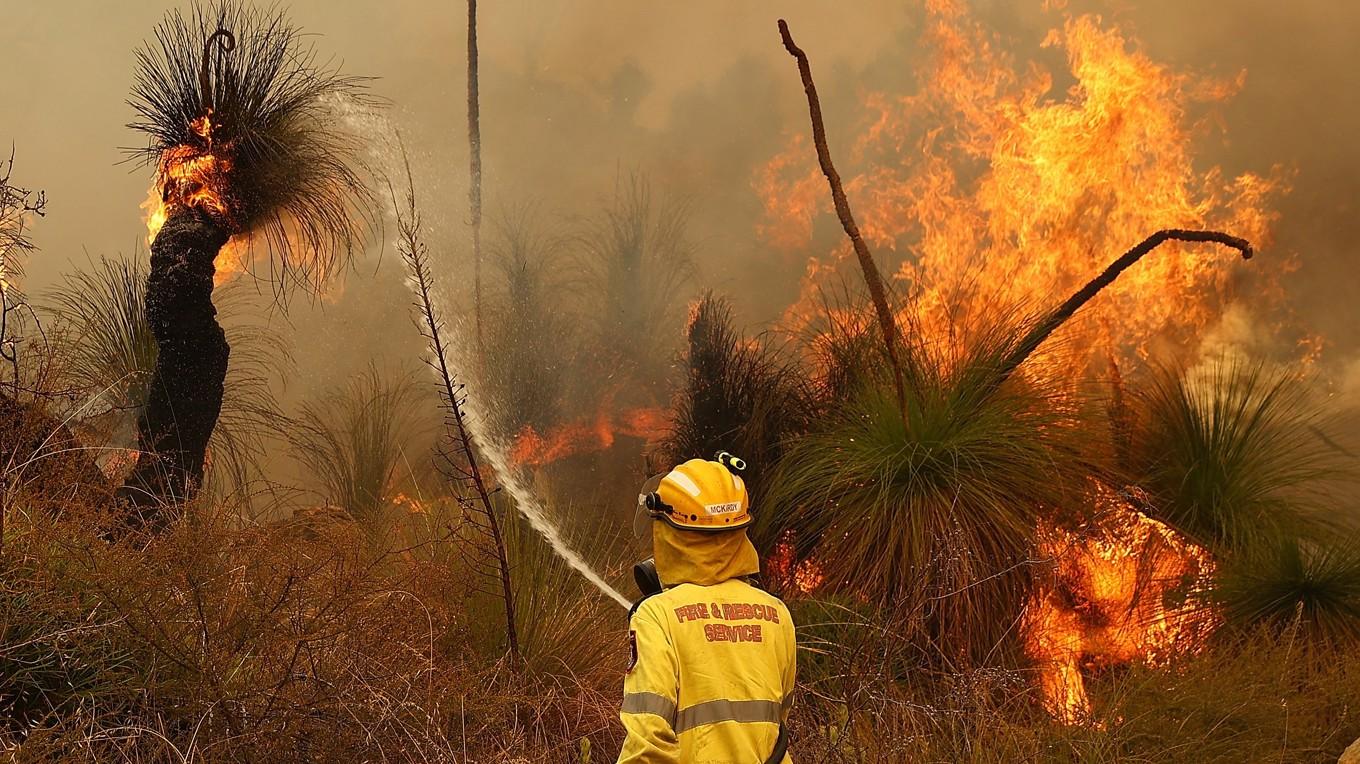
<point>712,676</point>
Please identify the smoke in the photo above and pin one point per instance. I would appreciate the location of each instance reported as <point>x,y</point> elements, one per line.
<point>494,448</point>
<point>698,96</point>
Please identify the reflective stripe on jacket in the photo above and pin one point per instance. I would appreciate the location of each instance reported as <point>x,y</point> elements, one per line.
<point>713,679</point>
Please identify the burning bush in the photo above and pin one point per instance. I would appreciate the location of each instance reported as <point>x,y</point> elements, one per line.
<point>934,508</point>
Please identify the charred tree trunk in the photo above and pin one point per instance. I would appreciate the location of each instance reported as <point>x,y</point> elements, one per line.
<point>185,395</point>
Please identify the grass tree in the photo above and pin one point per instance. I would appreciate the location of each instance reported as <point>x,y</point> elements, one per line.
<point>934,511</point>
<point>354,440</point>
<point>1234,453</point>
<point>237,112</point>
<point>738,395</point>
<point>1289,583</point>
<point>637,259</point>
<point>529,328</point>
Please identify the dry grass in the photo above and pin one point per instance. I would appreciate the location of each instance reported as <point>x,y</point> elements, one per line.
<point>297,641</point>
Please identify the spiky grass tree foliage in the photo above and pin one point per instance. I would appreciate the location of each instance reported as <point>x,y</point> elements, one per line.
<point>570,644</point>
<point>638,258</point>
<point>739,395</point>
<point>359,440</point>
<point>1288,583</point>
<point>934,512</point>
<point>529,326</point>
<point>1234,453</point>
<point>237,114</point>
<point>109,354</point>
<point>287,171</point>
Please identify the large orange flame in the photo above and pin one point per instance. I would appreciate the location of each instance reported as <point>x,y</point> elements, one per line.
<point>987,189</point>
<point>534,449</point>
<point>192,177</point>
<point>1125,588</point>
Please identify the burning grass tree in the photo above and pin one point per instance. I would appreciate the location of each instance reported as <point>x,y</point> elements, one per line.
<point>933,512</point>
<point>246,145</point>
<point>929,500</point>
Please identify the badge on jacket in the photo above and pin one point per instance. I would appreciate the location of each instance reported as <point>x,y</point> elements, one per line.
<point>632,650</point>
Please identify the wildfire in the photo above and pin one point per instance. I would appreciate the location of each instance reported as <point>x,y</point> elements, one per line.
<point>194,177</point>
<point>412,505</point>
<point>533,449</point>
<point>986,189</point>
<point>1123,589</point>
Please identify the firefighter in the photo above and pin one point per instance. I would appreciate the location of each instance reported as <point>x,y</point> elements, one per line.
<point>711,674</point>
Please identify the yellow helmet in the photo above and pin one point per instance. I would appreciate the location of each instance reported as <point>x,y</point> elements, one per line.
<point>701,495</point>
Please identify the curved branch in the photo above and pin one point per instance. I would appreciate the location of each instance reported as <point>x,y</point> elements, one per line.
<point>1059,315</point>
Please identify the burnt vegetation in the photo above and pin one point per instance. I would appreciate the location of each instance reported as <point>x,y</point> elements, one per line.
<point>173,591</point>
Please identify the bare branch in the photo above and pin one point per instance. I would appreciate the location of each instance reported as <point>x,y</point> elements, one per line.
<point>459,451</point>
<point>877,292</point>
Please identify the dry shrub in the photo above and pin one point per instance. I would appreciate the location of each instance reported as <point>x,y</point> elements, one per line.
<point>866,696</point>
<point>299,641</point>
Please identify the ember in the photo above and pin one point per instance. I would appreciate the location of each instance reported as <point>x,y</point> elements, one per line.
<point>194,177</point>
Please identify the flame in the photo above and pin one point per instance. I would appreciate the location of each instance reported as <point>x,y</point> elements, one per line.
<point>534,449</point>
<point>805,576</point>
<point>986,189</point>
<point>197,177</point>
<point>1124,588</point>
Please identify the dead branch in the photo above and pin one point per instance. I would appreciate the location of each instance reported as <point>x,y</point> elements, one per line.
<point>877,292</point>
<point>458,451</point>
<point>1059,315</point>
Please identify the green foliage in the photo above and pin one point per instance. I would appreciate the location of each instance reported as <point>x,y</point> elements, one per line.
<point>1311,586</point>
<point>354,440</point>
<point>566,627</point>
<point>933,510</point>
<point>1235,454</point>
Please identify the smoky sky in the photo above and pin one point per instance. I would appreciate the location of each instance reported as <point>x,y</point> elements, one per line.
<point>695,95</point>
